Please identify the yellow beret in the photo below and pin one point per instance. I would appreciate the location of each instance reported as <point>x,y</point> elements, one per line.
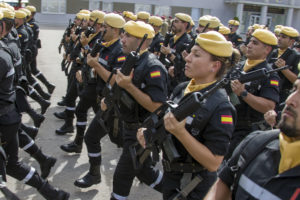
<point>7,13</point>
<point>11,8</point>
<point>277,31</point>
<point>3,5</point>
<point>114,20</point>
<point>31,8</point>
<point>279,26</point>
<point>184,17</point>
<point>192,23</point>
<point>224,30</point>
<point>215,43</point>
<point>19,14</point>
<point>143,15</point>
<point>289,31</point>
<point>234,22</point>
<point>85,11</point>
<point>97,14</point>
<point>139,29</point>
<point>265,36</point>
<point>214,22</point>
<point>28,13</point>
<point>256,26</point>
<point>1,15</point>
<point>129,15</point>
<point>155,21</point>
<point>82,16</point>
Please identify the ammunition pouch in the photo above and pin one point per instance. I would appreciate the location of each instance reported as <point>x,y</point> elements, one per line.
<point>127,100</point>
<point>182,167</point>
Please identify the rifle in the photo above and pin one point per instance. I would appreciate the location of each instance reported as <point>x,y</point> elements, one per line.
<point>284,56</point>
<point>89,75</point>
<point>190,45</point>
<point>113,93</point>
<point>155,135</point>
<point>66,33</point>
<point>169,35</point>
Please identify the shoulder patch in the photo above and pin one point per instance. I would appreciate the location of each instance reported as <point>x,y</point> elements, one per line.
<point>20,35</point>
<point>121,58</point>
<point>155,74</point>
<point>226,119</point>
<point>161,43</point>
<point>274,82</point>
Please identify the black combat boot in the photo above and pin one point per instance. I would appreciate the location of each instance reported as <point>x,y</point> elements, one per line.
<point>67,127</point>
<point>91,178</point>
<point>45,95</point>
<point>42,78</point>
<point>51,193</point>
<point>46,163</point>
<point>30,130</point>
<point>62,102</point>
<point>37,118</point>
<point>60,115</point>
<point>76,146</point>
<point>43,103</point>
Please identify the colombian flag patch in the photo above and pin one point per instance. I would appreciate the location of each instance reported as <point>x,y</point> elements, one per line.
<point>122,58</point>
<point>274,82</point>
<point>155,74</point>
<point>226,119</point>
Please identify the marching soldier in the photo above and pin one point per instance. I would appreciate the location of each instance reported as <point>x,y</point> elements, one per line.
<point>88,94</point>
<point>156,23</point>
<point>36,45</point>
<point>253,99</point>
<point>286,40</point>
<point>176,46</point>
<point>233,36</point>
<point>129,16</point>
<point>10,120</point>
<point>214,23</point>
<point>225,31</point>
<point>110,58</point>
<point>147,86</point>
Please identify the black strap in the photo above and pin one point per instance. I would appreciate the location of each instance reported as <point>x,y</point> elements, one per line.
<point>257,142</point>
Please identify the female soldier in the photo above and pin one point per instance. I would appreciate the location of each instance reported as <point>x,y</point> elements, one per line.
<point>202,139</point>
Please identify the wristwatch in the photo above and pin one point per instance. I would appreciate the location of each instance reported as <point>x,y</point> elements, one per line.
<point>244,93</point>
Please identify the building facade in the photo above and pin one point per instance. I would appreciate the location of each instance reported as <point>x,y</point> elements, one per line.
<point>268,12</point>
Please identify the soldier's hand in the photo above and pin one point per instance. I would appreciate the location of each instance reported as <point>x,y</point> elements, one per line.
<point>184,54</point>
<point>237,87</point>
<point>270,117</point>
<point>122,80</point>
<point>165,50</point>
<point>78,60</point>
<point>173,125</point>
<point>73,37</point>
<point>171,71</point>
<point>83,39</point>
<point>243,49</point>
<point>79,76</point>
<point>67,39</point>
<point>69,58</point>
<point>280,62</point>
<point>92,61</point>
<point>140,137</point>
<point>103,105</point>
<point>65,56</point>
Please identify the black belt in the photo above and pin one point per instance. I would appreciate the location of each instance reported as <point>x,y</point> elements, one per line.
<point>7,109</point>
<point>132,126</point>
<point>182,167</point>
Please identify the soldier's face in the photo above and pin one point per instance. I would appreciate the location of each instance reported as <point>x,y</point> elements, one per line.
<point>198,64</point>
<point>130,43</point>
<point>290,118</point>
<point>284,41</point>
<point>177,26</point>
<point>257,50</point>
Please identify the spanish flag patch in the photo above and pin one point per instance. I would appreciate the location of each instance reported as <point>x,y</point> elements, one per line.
<point>155,74</point>
<point>122,58</point>
<point>161,43</point>
<point>226,119</point>
<point>274,82</point>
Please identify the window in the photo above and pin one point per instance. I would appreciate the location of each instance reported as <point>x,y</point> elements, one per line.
<point>162,10</point>
<point>142,7</point>
<point>94,4</point>
<point>54,6</point>
<point>107,7</point>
